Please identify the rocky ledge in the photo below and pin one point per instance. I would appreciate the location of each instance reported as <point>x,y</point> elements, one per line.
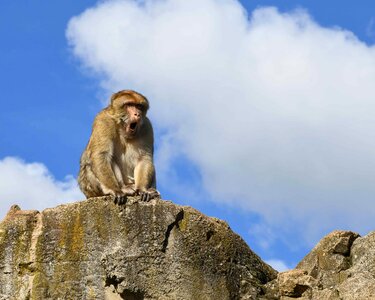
<point>95,249</point>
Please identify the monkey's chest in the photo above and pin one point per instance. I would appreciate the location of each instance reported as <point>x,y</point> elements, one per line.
<point>128,160</point>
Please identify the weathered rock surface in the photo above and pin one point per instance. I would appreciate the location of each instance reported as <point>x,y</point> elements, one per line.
<point>341,266</point>
<point>96,250</point>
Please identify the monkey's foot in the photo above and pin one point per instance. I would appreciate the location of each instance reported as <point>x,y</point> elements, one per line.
<point>149,194</point>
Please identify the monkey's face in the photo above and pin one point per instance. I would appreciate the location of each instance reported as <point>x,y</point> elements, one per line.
<point>133,120</point>
<point>129,109</point>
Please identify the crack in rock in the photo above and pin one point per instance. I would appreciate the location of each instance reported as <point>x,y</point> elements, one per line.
<point>179,217</point>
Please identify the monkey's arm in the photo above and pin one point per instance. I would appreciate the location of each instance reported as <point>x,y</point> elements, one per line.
<point>102,168</point>
<point>144,176</point>
<point>101,148</point>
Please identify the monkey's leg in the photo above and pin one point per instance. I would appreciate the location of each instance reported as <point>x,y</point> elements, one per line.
<point>89,183</point>
<point>120,198</point>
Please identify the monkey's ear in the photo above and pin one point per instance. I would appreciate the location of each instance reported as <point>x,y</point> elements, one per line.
<point>146,105</point>
<point>115,95</point>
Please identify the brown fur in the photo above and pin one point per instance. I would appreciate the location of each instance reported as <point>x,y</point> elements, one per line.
<point>118,159</point>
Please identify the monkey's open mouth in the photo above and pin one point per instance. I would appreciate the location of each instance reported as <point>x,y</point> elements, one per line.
<point>133,126</point>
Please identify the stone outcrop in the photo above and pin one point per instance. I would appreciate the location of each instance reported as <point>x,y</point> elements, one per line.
<point>95,249</point>
<point>340,267</point>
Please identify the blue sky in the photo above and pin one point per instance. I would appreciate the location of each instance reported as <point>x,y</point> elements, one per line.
<point>262,115</point>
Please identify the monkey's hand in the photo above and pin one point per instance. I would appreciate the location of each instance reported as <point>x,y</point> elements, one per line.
<point>149,194</point>
<point>129,190</point>
<point>121,198</point>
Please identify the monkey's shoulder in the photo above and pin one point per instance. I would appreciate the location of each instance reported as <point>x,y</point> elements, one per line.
<point>147,129</point>
<point>104,117</point>
<point>104,124</point>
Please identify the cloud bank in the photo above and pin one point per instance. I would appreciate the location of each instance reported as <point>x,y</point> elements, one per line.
<point>31,186</point>
<point>274,110</point>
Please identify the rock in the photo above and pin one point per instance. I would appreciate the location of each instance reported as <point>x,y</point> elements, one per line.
<point>330,258</point>
<point>340,267</point>
<point>360,282</point>
<point>95,249</point>
<point>295,283</point>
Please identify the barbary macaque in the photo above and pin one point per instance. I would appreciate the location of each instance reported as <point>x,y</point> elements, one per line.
<point>118,159</point>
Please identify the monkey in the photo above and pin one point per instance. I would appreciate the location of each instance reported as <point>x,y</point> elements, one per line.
<point>118,159</point>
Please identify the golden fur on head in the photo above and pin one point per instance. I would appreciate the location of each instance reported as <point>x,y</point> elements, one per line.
<point>131,97</point>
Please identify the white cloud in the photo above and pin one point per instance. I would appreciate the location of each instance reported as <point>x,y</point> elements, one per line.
<point>276,111</point>
<point>278,265</point>
<point>31,186</point>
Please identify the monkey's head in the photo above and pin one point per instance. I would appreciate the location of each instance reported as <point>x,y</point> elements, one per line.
<point>129,109</point>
